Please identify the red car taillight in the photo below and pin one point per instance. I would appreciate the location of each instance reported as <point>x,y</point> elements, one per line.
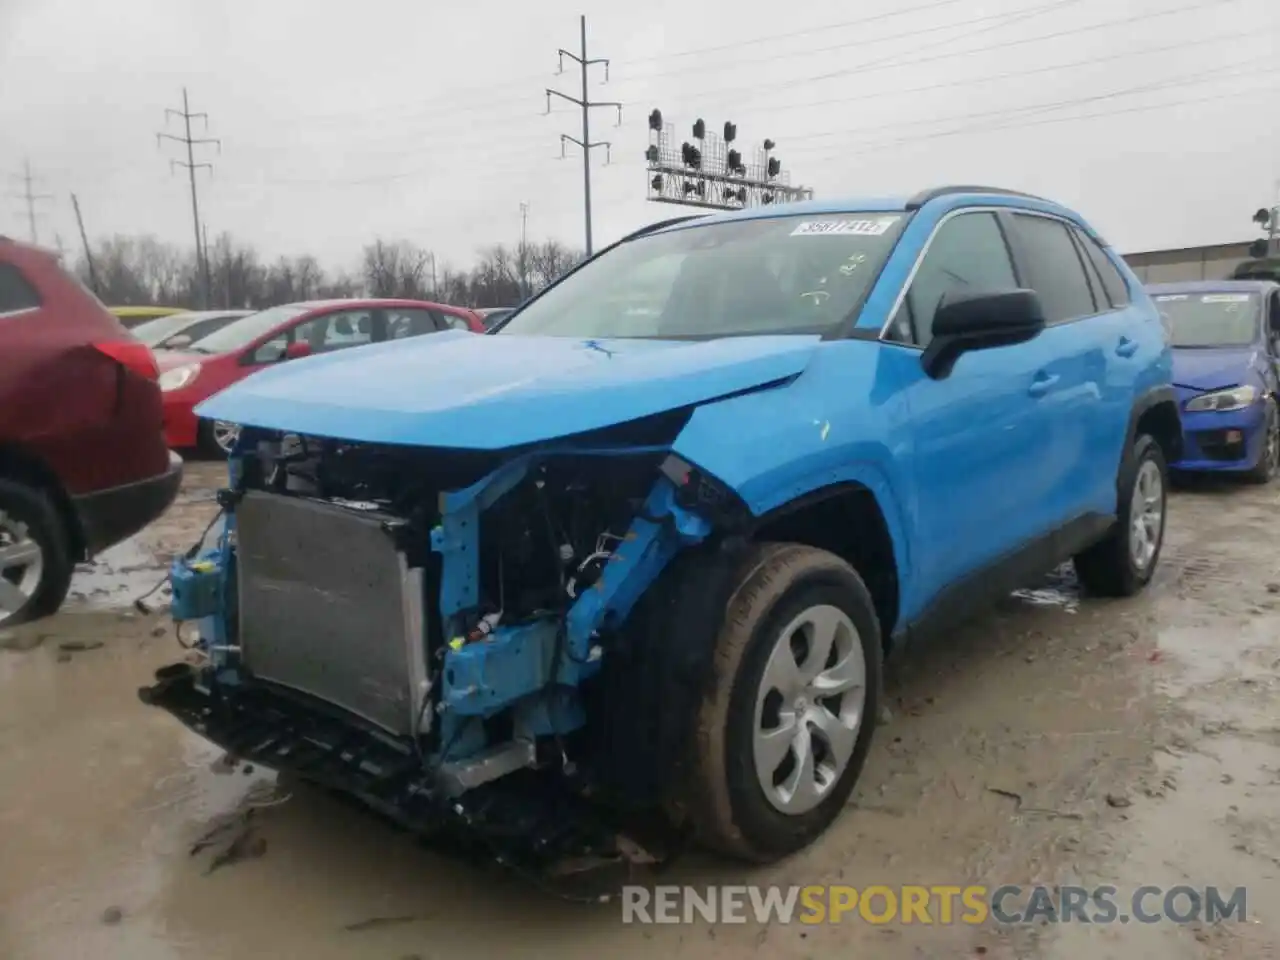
<point>132,355</point>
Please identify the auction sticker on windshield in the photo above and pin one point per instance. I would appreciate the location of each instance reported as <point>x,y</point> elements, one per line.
<point>1225,298</point>
<point>861,227</point>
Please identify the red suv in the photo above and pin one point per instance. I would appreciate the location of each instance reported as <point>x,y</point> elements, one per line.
<point>83,462</point>
<point>282,333</point>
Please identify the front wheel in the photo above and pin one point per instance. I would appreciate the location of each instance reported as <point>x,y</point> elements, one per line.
<point>1269,458</point>
<point>217,437</point>
<point>1123,563</point>
<point>785,728</point>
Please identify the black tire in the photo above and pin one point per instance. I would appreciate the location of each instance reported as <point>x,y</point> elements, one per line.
<point>45,526</point>
<point>725,801</point>
<point>1109,568</point>
<point>1265,469</point>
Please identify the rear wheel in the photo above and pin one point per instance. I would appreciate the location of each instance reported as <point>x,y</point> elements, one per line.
<point>35,563</point>
<point>1269,458</point>
<point>784,731</point>
<point>1123,563</point>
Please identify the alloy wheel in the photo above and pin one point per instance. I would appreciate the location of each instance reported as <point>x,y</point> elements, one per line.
<point>225,435</point>
<point>809,709</point>
<point>1146,514</point>
<point>21,566</point>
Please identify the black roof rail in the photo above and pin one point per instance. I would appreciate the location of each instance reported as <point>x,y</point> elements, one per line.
<point>660,225</point>
<point>933,193</point>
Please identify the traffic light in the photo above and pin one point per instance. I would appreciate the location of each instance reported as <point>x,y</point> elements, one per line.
<point>734,161</point>
<point>1262,217</point>
<point>775,167</point>
<point>651,154</point>
<point>730,132</point>
<point>699,130</point>
<point>655,120</point>
<point>691,155</point>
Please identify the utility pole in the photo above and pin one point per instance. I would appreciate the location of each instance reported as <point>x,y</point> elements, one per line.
<point>524,250</point>
<point>30,198</point>
<point>88,253</point>
<point>586,106</point>
<point>185,114</point>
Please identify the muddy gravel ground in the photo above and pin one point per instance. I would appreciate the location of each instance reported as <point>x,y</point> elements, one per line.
<point>1056,740</point>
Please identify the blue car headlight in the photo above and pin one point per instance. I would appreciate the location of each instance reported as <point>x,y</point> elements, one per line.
<point>1222,401</point>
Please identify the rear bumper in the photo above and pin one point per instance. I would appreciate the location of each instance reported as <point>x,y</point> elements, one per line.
<point>109,516</point>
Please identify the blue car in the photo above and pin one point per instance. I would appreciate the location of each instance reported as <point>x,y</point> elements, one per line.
<point>630,563</point>
<point>1224,335</point>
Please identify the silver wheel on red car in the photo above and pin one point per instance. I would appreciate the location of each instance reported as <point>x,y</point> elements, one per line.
<point>21,566</point>
<point>225,435</point>
<point>809,708</point>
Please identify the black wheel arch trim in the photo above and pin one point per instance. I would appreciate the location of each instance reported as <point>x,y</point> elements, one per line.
<point>1151,398</point>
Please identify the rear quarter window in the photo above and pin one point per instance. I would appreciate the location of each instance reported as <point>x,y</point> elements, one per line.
<point>16,292</point>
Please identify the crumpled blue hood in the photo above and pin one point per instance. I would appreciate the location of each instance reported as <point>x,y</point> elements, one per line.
<point>1207,368</point>
<point>458,389</point>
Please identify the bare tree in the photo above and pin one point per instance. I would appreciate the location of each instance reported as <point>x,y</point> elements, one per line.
<point>396,269</point>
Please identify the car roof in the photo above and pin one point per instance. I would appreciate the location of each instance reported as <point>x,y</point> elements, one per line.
<point>156,312</point>
<point>1213,286</point>
<point>882,204</point>
<point>356,302</point>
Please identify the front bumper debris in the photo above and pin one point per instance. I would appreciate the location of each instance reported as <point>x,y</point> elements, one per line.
<point>530,820</point>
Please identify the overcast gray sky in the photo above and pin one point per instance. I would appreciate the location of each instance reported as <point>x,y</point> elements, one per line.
<point>339,122</point>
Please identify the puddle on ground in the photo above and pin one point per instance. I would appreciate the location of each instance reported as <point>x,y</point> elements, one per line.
<point>117,577</point>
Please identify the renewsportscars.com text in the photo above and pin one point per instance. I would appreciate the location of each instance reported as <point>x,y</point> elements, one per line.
<point>1010,904</point>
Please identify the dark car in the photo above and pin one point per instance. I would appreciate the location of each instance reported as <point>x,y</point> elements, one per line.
<point>83,462</point>
<point>1226,347</point>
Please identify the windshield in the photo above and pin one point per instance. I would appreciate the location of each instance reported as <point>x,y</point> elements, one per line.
<point>154,331</point>
<point>239,334</point>
<point>1211,319</point>
<point>795,274</point>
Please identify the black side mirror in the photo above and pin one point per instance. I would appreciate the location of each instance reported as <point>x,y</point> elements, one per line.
<point>980,321</point>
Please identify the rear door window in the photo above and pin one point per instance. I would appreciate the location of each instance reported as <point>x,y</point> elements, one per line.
<point>1117,291</point>
<point>1055,270</point>
<point>16,292</point>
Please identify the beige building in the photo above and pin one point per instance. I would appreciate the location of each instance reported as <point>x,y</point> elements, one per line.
<point>1190,263</point>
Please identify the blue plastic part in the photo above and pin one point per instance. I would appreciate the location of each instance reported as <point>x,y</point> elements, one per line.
<point>484,678</point>
<point>650,543</point>
<point>196,586</point>
<point>557,710</point>
<point>517,662</point>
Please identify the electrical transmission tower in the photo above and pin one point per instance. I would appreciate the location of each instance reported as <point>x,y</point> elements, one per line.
<point>586,106</point>
<point>186,116</point>
<point>30,198</point>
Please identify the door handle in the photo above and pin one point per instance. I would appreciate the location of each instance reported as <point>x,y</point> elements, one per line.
<point>1127,347</point>
<point>1042,383</point>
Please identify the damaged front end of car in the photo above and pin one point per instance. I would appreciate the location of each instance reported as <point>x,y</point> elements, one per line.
<point>447,634</point>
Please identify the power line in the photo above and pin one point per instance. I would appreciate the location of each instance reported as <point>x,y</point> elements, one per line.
<point>586,106</point>
<point>987,48</point>
<point>185,114</point>
<point>30,198</point>
<point>1145,108</point>
<point>1185,80</point>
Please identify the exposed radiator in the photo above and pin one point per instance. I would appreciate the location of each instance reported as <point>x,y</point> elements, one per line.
<point>329,607</point>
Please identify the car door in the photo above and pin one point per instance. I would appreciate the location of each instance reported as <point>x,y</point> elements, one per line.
<point>1131,338</point>
<point>977,445</point>
<point>1072,407</point>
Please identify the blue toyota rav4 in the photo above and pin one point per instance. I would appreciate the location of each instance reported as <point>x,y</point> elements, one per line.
<point>635,557</point>
<point>1226,350</point>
